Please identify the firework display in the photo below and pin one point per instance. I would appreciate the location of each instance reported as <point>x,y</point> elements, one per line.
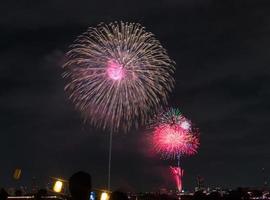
<point>174,136</point>
<point>178,174</point>
<point>118,75</point>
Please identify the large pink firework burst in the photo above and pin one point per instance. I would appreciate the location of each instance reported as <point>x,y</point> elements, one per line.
<point>118,75</point>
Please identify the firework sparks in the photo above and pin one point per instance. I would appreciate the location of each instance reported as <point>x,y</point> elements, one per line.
<point>178,174</point>
<point>118,75</point>
<point>173,135</point>
<point>173,116</point>
<point>172,141</point>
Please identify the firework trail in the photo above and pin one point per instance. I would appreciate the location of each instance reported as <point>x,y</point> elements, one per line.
<point>173,135</point>
<point>178,174</point>
<point>118,75</point>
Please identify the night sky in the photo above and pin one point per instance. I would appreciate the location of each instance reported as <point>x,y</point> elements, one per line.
<point>221,48</point>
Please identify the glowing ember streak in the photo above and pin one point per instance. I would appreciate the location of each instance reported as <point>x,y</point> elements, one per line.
<point>118,75</point>
<point>178,174</point>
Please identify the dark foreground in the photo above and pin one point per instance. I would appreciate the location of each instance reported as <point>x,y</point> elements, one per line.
<point>243,194</point>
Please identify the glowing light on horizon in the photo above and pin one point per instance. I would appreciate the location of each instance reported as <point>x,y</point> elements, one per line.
<point>58,186</point>
<point>118,75</point>
<point>104,196</point>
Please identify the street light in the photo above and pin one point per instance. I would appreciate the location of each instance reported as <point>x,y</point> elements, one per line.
<point>104,196</point>
<point>58,185</point>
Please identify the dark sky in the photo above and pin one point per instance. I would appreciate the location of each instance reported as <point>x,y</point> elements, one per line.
<point>221,48</point>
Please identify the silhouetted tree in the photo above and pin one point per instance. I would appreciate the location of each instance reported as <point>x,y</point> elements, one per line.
<point>3,194</point>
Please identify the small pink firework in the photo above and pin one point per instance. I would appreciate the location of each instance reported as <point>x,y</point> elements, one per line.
<point>178,174</point>
<point>173,140</point>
